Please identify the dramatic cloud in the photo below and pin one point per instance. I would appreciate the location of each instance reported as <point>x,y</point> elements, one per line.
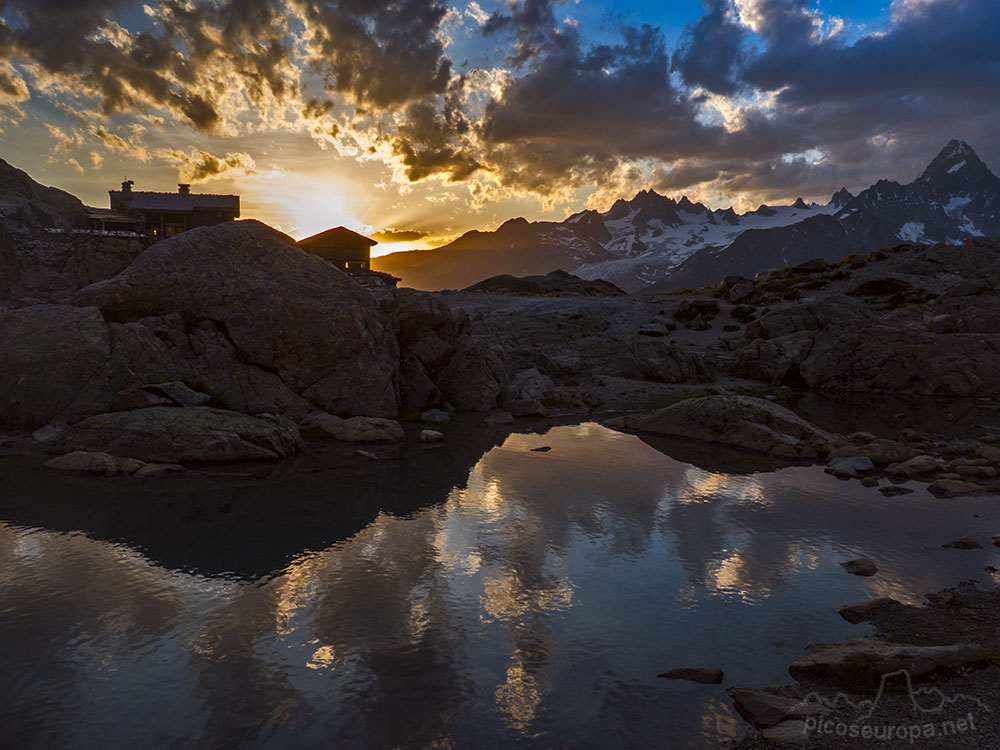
<point>378,52</point>
<point>711,54</point>
<point>197,165</point>
<point>479,102</point>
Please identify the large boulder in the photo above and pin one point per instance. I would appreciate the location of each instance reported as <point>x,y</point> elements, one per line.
<point>283,311</point>
<point>811,315</point>
<point>475,376</point>
<point>741,422</point>
<point>850,353</point>
<point>182,434</point>
<point>49,354</point>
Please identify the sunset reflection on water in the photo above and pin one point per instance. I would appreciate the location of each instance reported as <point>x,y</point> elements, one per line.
<point>531,606</point>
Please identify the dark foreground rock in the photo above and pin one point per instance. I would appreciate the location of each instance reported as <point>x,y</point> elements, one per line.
<point>49,354</point>
<point>750,424</point>
<point>704,675</point>
<point>283,311</point>
<point>181,435</point>
<point>765,710</point>
<point>860,567</point>
<point>859,664</point>
<point>862,611</point>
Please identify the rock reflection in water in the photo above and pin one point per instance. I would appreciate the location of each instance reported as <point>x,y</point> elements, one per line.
<point>532,606</point>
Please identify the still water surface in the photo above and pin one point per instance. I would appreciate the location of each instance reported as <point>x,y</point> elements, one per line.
<point>491,598</point>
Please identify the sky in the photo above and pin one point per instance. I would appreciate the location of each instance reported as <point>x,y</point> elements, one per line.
<point>417,120</point>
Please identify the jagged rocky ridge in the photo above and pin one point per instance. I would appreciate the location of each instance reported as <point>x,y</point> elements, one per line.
<point>654,242</point>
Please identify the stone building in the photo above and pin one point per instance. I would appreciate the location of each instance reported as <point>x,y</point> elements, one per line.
<point>167,214</point>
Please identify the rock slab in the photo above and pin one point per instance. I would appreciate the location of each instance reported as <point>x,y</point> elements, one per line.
<point>171,435</point>
<point>741,422</point>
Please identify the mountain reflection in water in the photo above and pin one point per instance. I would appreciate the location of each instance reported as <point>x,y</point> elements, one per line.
<point>526,602</point>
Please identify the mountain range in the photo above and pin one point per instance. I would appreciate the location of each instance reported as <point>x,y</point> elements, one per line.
<point>655,243</point>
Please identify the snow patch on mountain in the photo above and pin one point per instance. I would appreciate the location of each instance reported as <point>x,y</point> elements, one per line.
<point>911,231</point>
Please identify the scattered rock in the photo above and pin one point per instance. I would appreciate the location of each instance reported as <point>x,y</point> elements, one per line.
<point>995,539</point>
<point>356,429</point>
<point>499,417</point>
<point>922,464</point>
<point>763,710</point>
<point>861,437</point>
<point>431,436</point>
<point>988,452</point>
<point>953,488</point>
<point>654,330</point>
<point>860,567</point>
<point>94,462</point>
<point>569,396</point>
<point>894,490</point>
<point>942,598</point>
<point>843,471</point>
<point>704,675</point>
<point>849,468</point>
<point>861,611</point>
<point>869,482</point>
<point>166,434</point>
<point>48,432</point>
<point>881,452</point>
<point>525,407</point>
<point>435,416</point>
<point>152,470</point>
<point>977,472</point>
<point>786,732</point>
<point>963,542</point>
<point>367,454</point>
<point>860,663</point>
<point>898,471</point>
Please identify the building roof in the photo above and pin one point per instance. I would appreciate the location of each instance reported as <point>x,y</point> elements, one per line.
<point>179,202</point>
<point>338,237</point>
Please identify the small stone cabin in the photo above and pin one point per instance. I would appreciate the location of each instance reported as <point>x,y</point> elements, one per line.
<point>166,214</point>
<point>347,250</point>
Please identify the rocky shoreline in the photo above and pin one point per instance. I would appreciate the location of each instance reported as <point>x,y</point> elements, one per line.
<point>930,678</point>
<point>231,344</point>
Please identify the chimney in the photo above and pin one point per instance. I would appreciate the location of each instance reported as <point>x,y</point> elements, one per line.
<point>184,188</point>
<point>127,186</point>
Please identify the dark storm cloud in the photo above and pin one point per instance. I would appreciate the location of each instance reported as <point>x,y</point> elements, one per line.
<point>882,104</point>
<point>531,24</point>
<point>945,47</point>
<point>585,108</point>
<point>380,52</point>
<point>711,52</point>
